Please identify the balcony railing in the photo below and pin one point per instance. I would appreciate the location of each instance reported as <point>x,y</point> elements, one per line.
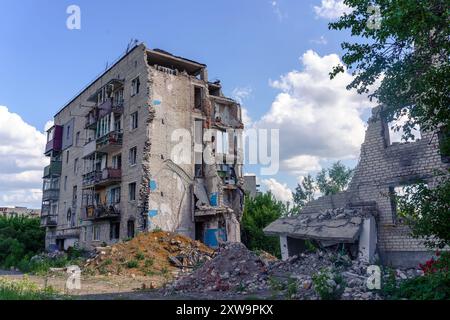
<point>110,105</point>
<point>91,120</point>
<point>104,177</point>
<point>98,212</point>
<point>50,195</point>
<point>54,169</point>
<point>49,220</point>
<point>110,142</point>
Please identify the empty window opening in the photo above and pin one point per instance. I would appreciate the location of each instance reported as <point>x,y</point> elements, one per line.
<point>198,97</point>
<point>397,134</point>
<point>132,191</point>
<point>114,230</point>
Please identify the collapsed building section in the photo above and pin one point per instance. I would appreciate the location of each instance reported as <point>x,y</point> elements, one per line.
<point>150,144</point>
<point>364,217</point>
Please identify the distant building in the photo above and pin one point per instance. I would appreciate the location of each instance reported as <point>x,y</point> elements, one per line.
<point>250,186</point>
<point>19,212</point>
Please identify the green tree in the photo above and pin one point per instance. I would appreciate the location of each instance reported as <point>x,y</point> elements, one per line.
<point>259,212</point>
<point>335,179</point>
<point>408,53</point>
<point>20,238</point>
<point>304,193</point>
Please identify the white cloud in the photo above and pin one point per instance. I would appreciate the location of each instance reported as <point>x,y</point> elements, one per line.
<point>318,118</point>
<point>240,94</point>
<point>302,164</point>
<point>321,41</point>
<point>331,9</point>
<point>280,190</point>
<point>21,161</point>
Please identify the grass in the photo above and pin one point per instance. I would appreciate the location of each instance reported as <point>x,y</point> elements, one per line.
<point>132,264</point>
<point>25,290</point>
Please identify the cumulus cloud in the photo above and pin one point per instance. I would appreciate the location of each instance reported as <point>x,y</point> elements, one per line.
<point>240,94</point>
<point>318,118</point>
<point>280,191</point>
<point>21,161</point>
<point>331,9</point>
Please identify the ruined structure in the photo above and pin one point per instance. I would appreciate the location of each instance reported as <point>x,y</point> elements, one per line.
<point>365,216</point>
<point>150,144</point>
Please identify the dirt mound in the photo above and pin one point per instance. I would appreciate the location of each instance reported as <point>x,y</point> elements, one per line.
<point>153,253</point>
<point>232,269</point>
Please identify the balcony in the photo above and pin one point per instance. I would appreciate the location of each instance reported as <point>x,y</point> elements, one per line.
<point>55,142</point>
<point>91,119</point>
<point>89,148</point>
<point>54,169</point>
<point>100,212</point>
<point>110,142</point>
<point>50,195</point>
<point>107,176</point>
<point>49,220</point>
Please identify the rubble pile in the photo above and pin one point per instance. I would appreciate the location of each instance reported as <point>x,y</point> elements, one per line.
<point>237,271</point>
<point>233,268</point>
<point>148,254</point>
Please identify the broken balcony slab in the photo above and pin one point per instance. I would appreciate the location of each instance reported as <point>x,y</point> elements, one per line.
<point>345,229</point>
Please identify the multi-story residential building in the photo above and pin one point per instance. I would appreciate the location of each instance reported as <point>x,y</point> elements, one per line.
<point>150,144</point>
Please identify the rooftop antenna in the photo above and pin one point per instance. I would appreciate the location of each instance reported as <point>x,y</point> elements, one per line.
<point>133,42</point>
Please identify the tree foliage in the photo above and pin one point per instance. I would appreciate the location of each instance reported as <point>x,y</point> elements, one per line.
<point>259,212</point>
<point>304,193</point>
<point>335,179</point>
<point>20,238</point>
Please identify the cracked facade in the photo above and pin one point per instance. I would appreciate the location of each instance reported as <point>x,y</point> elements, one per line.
<point>115,153</point>
<point>383,169</point>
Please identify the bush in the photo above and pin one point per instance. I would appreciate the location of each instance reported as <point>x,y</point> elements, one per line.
<point>433,285</point>
<point>132,264</point>
<point>20,239</point>
<point>328,284</point>
<point>259,212</point>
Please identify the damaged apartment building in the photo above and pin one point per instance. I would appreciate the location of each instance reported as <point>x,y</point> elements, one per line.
<point>115,155</point>
<point>364,218</point>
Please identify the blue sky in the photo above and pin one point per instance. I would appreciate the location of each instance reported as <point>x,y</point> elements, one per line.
<point>249,45</point>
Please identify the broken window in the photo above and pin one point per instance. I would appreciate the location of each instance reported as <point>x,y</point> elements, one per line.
<point>397,133</point>
<point>132,158</point>
<point>396,192</point>
<point>198,147</point>
<point>96,233</point>
<point>198,98</point>
<point>134,121</point>
<point>114,230</point>
<point>135,86</point>
<point>132,191</point>
<point>222,142</point>
<point>444,144</point>
<point>130,229</point>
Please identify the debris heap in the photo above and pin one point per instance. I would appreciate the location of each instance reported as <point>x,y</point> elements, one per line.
<point>233,268</point>
<point>148,254</point>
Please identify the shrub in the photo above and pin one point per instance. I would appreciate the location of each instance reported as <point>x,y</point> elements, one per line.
<point>328,284</point>
<point>132,264</point>
<point>433,285</point>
